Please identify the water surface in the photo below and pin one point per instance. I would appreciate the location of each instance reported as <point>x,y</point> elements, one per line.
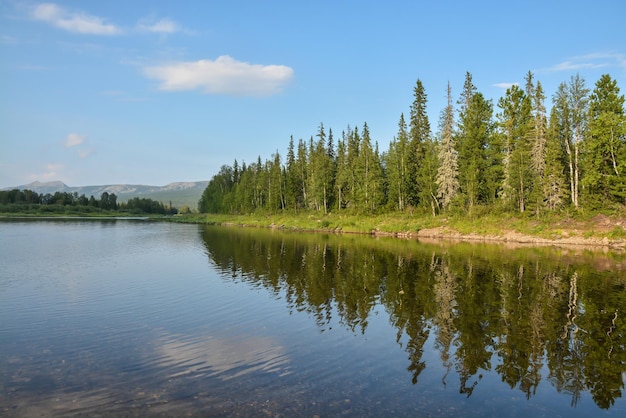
<point>135,318</point>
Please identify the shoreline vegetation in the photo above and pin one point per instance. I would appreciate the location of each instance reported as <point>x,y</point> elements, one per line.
<point>516,170</point>
<point>598,230</point>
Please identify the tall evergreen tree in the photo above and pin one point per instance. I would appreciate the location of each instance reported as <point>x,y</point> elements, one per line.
<point>291,180</point>
<point>397,167</point>
<point>275,191</point>
<point>302,173</point>
<point>369,167</point>
<point>469,89</point>
<point>448,171</point>
<point>419,133</point>
<point>475,137</point>
<point>362,169</point>
<point>331,171</point>
<point>354,174</point>
<point>342,171</point>
<point>605,146</point>
<point>515,123</point>
<point>539,146</point>
<point>554,185</point>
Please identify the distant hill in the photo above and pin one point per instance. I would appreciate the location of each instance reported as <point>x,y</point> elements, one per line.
<point>180,193</point>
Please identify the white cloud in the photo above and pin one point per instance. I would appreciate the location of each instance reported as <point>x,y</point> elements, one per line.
<point>225,75</point>
<point>50,173</point>
<point>571,65</point>
<point>163,26</point>
<point>73,140</point>
<point>505,86</point>
<point>591,61</point>
<point>73,22</point>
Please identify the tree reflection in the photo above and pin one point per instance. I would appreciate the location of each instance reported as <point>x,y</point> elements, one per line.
<point>512,312</point>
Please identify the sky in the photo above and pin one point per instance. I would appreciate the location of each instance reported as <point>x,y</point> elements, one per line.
<point>154,92</point>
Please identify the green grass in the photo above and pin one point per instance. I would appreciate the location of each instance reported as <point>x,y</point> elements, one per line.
<point>549,226</point>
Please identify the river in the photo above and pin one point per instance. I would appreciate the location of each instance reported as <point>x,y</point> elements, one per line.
<point>135,318</point>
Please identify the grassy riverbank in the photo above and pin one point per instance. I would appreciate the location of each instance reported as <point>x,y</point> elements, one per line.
<point>592,229</point>
<point>579,229</point>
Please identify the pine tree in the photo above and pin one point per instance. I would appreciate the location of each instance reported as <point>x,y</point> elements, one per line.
<point>275,190</point>
<point>419,133</point>
<point>302,173</point>
<point>554,187</point>
<point>604,148</point>
<point>353,173</point>
<point>397,167</point>
<point>515,123</point>
<point>539,151</point>
<point>363,168</point>
<point>321,171</point>
<point>341,177</point>
<point>469,89</point>
<point>448,171</point>
<point>291,183</point>
<point>475,137</point>
<point>329,172</point>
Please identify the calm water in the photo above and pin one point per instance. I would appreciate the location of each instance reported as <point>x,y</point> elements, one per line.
<point>134,318</point>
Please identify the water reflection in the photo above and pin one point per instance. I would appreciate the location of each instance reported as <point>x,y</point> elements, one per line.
<point>224,357</point>
<point>532,316</point>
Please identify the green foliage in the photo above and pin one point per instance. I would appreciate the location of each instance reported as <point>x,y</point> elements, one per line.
<point>29,202</point>
<point>484,307</point>
<point>520,162</point>
<point>604,156</point>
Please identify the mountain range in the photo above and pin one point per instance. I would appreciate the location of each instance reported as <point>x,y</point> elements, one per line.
<point>179,194</point>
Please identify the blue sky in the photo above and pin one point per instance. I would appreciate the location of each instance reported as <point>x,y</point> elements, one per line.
<point>152,92</point>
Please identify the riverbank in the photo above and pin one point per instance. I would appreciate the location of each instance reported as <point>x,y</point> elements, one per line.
<point>593,230</point>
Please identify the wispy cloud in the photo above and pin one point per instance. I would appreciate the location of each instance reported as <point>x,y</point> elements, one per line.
<point>73,140</point>
<point>50,172</point>
<point>505,86</point>
<point>572,65</point>
<point>590,61</point>
<point>78,22</point>
<point>225,75</point>
<point>163,26</point>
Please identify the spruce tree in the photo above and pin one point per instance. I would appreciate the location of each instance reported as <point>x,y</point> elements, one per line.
<point>516,123</point>
<point>419,133</point>
<point>475,137</point>
<point>342,176</point>
<point>291,183</point>
<point>604,148</point>
<point>554,184</point>
<point>539,146</point>
<point>302,173</point>
<point>448,171</point>
<point>397,167</point>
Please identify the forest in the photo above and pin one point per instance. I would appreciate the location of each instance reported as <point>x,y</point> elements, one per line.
<point>28,201</point>
<point>515,157</point>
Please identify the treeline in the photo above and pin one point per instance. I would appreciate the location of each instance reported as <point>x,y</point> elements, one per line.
<point>516,157</point>
<point>14,201</point>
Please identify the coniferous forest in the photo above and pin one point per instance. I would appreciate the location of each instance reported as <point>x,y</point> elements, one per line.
<point>513,156</point>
